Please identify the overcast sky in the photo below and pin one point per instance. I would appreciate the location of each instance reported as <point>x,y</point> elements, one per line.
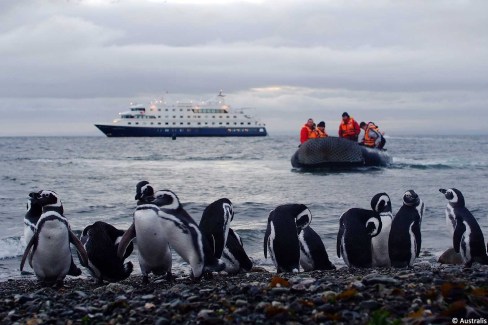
<point>410,66</point>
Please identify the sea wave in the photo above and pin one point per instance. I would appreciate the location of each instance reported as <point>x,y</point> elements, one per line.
<point>11,247</point>
<point>399,162</point>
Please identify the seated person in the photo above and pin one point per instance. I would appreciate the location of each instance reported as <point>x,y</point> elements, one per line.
<point>373,137</point>
<point>321,133</point>
<point>362,126</point>
<point>306,131</point>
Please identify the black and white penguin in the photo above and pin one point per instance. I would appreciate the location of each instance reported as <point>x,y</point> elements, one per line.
<point>357,227</point>
<point>34,211</point>
<point>140,188</point>
<point>101,241</point>
<point>467,237</point>
<point>281,236</point>
<point>215,223</point>
<point>234,256</point>
<point>154,253</point>
<point>313,255</point>
<point>405,238</point>
<point>381,203</point>
<point>49,249</point>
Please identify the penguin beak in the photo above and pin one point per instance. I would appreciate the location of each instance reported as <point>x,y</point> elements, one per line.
<point>443,191</point>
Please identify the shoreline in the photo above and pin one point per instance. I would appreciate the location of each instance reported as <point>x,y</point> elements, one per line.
<point>425,293</point>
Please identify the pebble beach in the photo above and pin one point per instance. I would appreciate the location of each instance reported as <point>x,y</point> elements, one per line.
<point>424,294</point>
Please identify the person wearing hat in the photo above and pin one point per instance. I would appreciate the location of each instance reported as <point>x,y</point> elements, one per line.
<point>321,133</point>
<point>349,128</point>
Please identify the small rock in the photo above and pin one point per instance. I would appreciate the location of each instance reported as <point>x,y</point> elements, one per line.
<point>379,279</point>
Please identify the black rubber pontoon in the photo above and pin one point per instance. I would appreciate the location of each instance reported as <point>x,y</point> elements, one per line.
<point>333,152</point>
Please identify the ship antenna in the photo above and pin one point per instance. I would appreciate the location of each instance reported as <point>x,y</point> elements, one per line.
<point>221,94</point>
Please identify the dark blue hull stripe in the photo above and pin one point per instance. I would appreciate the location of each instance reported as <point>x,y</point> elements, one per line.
<point>133,131</point>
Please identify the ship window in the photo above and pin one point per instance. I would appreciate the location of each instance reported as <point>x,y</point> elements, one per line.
<point>159,123</point>
<point>227,123</point>
<point>181,109</point>
<point>159,109</point>
<point>213,123</point>
<point>189,116</point>
<point>174,123</point>
<point>152,123</point>
<point>206,123</point>
<point>173,109</point>
<point>129,123</point>
<point>235,116</point>
<point>213,116</point>
<point>165,109</point>
<point>242,123</point>
<point>181,116</point>
<point>189,123</point>
<point>227,116</point>
<point>199,123</point>
<point>188,109</point>
<point>174,116</point>
<point>166,123</point>
<point>220,116</point>
<point>181,123</point>
<point>137,123</point>
<point>235,123</point>
<point>220,123</point>
<point>248,123</point>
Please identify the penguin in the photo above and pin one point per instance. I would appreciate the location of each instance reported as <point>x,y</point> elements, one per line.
<point>34,211</point>
<point>281,236</point>
<point>357,227</point>
<point>313,255</point>
<point>49,248</point>
<point>140,188</point>
<point>234,256</point>
<point>467,237</point>
<point>101,241</point>
<point>405,239</point>
<point>215,223</point>
<point>185,236</point>
<point>154,253</point>
<point>381,203</point>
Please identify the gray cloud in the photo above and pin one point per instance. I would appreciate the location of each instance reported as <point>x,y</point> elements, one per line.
<point>410,65</point>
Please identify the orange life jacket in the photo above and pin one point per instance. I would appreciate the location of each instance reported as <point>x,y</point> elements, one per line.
<point>348,129</point>
<point>321,134</point>
<point>368,140</point>
<point>314,134</point>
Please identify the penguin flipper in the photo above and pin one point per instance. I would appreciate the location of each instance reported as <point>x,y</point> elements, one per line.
<point>27,251</point>
<point>218,244</point>
<point>79,247</point>
<point>339,237</point>
<point>458,235</point>
<point>418,238</point>
<point>266,238</point>
<point>126,239</point>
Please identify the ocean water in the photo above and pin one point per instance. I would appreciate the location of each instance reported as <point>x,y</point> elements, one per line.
<point>96,177</point>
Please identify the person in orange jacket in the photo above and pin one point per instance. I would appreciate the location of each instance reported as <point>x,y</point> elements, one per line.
<point>321,133</point>
<point>349,128</point>
<point>307,131</point>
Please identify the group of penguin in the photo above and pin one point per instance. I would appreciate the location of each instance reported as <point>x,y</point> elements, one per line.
<point>366,238</point>
<point>160,224</point>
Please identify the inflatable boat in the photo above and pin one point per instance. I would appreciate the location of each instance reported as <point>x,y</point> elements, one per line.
<point>333,152</point>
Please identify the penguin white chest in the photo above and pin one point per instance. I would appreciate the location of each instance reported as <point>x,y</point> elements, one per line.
<point>52,256</point>
<point>380,243</point>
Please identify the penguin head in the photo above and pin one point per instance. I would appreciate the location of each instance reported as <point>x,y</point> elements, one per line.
<point>454,196</point>
<point>139,187</point>
<point>381,203</point>
<point>303,218</point>
<point>33,204</point>
<point>166,199</point>
<point>411,198</point>
<point>46,198</point>
<point>146,194</point>
<point>373,226</point>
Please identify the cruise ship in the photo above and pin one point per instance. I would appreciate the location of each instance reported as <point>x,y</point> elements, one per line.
<point>184,119</point>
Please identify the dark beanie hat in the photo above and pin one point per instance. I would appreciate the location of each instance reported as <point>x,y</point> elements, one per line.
<point>321,123</point>
<point>345,114</point>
